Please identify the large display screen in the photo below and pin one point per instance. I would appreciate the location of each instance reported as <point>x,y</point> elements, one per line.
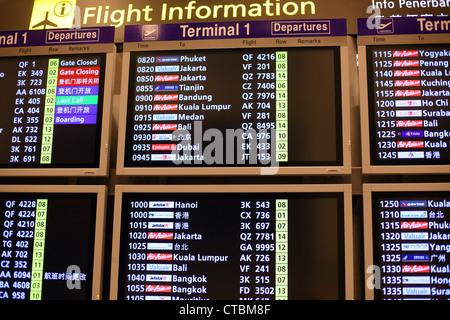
<point>47,245</point>
<point>235,246</point>
<point>220,108</point>
<point>411,244</point>
<point>52,109</point>
<point>408,99</point>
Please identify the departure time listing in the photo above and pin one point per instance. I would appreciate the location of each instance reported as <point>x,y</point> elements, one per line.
<point>173,250</point>
<point>409,96</point>
<point>175,97</point>
<point>412,246</point>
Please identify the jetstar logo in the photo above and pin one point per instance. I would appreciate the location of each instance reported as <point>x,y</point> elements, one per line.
<point>414,225</point>
<point>410,144</point>
<point>406,73</point>
<point>158,288</point>
<point>407,83</point>
<point>407,93</point>
<point>164,126</point>
<point>409,123</point>
<point>405,53</point>
<point>167,77</point>
<point>406,63</point>
<point>165,97</point>
<point>159,256</point>
<point>416,269</point>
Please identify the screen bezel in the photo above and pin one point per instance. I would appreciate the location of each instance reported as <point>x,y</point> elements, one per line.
<point>367,166</point>
<point>368,190</point>
<point>102,170</point>
<point>100,222</point>
<point>347,62</point>
<point>346,189</point>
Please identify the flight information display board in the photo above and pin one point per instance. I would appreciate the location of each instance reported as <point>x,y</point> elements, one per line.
<point>405,90</point>
<point>237,105</point>
<point>52,110</point>
<point>411,243</point>
<point>409,90</point>
<point>232,246</point>
<point>56,102</point>
<point>48,244</point>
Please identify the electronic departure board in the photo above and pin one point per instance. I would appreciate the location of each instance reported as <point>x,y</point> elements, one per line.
<point>232,243</point>
<point>407,241</point>
<point>56,108</point>
<point>234,108</point>
<point>51,242</point>
<point>408,113</point>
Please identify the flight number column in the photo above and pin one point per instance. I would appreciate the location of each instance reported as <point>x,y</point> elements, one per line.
<point>257,250</point>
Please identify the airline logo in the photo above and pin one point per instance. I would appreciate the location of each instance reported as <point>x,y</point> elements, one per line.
<point>413,291</point>
<point>410,144</point>
<point>411,155</point>
<point>160,225</point>
<point>415,247</point>
<point>167,77</point>
<point>406,73</point>
<point>160,235</point>
<point>159,246</point>
<point>163,147</point>
<point>162,137</point>
<point>165,107</point>
<point>413,203</point>
<point>408,93</point>
<point>409,123</point>
<point>158,278</point>
<point>413,214</point>
<point>412,134</point>
<point>406,63</point>
<point>405,53</point>
<point>158,288</point>
<point>158,298</point>
<point>167,68</point>
<point>415,268</point>
<point>414,236</point>
<point>414,225</point>
<point>163,157</point>
<point>408,113</point>
<point>160,214</point>
<point>408,103</point>
<point>167,59</point>
<point>407,83</point>
<point>415,257</point>
<point>165,97</point>
<point>165,117</point>
<point>159,256</point>
<point>161,204</point>
<point>159,267</point>
<point>164,126</point>
<point>173,87</point>
<point>416,280</point>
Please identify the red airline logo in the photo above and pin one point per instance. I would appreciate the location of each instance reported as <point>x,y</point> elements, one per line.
<point>406,73</point>
<point>160,235</point>
<point>405,53</point>
<point>163,147</point>
<point>416,269</point>
<point>407,93</point>
<point>167,77</point>
<point>406,63</point>
<point>409,123</point>
<point>158,288</point>
<point>407,83</point>
<point>164,126</point>
<point>414,225</point>
<point>159,256</point>
<point>165,97</point>
<point>410,144</point>
<point>165,107</point>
